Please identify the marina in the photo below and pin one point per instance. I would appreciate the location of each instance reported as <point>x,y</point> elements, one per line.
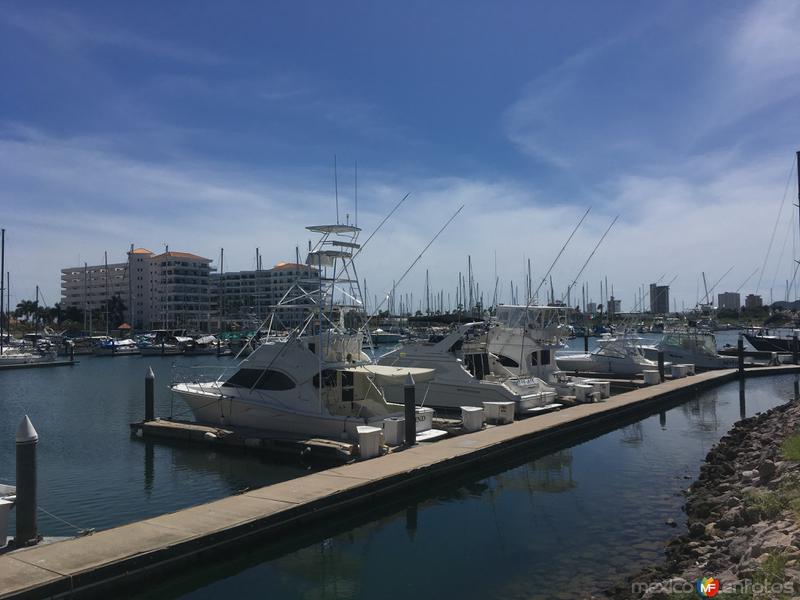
<point>119,557</point>
<point>485,301</point>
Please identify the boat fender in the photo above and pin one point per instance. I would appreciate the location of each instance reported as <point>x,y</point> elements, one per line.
<point>210,436</point>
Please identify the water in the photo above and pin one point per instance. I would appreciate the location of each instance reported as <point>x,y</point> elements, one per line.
<point>91,472</point>
<point>562,525</point>
<point>570,522</point>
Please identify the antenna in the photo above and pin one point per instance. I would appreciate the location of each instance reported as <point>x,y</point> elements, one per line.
<point>336,187</point>
<point>356,222</point>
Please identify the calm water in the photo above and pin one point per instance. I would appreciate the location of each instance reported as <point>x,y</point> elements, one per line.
<point>91,472</point>
<point>570,522</point>
<point>556,526</point>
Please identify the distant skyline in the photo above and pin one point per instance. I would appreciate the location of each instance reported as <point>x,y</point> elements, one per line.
<point>201,126</point>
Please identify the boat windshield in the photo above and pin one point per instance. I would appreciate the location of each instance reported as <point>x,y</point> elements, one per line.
<point>702,343</point>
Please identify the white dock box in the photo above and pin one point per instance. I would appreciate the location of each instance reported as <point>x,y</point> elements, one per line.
<point>7,496</point>
<point>424,418</point>
<point>603,387</point>
<point>394,431</point>
<point>472,417</point>
<point>651,377</point>
<point>499,413</point>
<point>584,392</point>
<point>679,371</point>
<point>369,441</point>
<point>689,368</point>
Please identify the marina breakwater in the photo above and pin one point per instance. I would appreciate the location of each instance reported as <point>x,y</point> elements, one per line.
<point>743,517</point>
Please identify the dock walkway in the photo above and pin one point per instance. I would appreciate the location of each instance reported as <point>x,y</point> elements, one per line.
<point>95,565</point>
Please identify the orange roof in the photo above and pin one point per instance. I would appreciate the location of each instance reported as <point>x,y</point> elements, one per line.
<point>141,251</point>
<point>285,265</point>
<point>172,254</point>
<point>124,326</point>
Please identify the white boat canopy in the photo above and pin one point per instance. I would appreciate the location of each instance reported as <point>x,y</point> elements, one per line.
<point>386,375</point>
<point>333,228</point>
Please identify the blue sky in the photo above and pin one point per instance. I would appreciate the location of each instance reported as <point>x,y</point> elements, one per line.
<point>204,125</point>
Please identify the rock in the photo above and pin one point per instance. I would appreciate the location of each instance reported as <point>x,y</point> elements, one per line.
<point>697,530</point>
<point>766,470</point>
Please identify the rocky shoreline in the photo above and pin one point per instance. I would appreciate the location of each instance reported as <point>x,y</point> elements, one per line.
<point>743,518</point>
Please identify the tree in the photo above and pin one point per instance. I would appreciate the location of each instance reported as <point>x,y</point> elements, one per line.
<point>116,311</point>
<point>25,309</point>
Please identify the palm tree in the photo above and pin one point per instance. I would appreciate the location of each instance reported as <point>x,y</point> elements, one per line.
<point>26,309</point>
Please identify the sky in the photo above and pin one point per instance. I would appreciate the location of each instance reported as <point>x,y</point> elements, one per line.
<point>206,125</point>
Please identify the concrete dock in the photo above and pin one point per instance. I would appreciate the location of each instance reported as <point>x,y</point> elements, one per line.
<point>52,363</point>
<point>96,565</point>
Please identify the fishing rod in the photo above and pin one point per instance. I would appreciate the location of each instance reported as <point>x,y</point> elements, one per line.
<point>710,293</point>
<point>416,260</point>
<point>564,247</point>
<point>585,264</point>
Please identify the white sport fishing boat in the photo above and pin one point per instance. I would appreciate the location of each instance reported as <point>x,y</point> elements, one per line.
<point>621,355</point>
<point>317,381</point>
<point>525,339</point>
<point>690,346</point>
<point>464,374</point>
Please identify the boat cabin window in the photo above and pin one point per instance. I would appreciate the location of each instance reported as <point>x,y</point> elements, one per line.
<point>457,345</point>
<point>507,361</point>
<point>328,378</point>
<point>260,380</point>
<point>540,358</point>
<point>313,347</point>
<point>478,365</point>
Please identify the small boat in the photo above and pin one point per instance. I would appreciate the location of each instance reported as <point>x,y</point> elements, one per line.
<point>778,341</point>
<point>690,346</point>
<point>620,355</point>
<point>114,347</point>
<point>204,345</point>
<point>379,337</point>
<point>16,356</point>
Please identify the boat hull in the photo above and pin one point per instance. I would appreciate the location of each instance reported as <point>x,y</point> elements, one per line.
<point>209,406</point>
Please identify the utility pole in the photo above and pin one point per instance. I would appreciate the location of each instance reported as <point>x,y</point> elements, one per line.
<point>2,283</point>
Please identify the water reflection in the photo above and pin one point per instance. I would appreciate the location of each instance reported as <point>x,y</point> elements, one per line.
<point>701,411</point>
<point>149,467</point>
<point>632,434</point>
<point>515,531</point>
<point>743,400</point>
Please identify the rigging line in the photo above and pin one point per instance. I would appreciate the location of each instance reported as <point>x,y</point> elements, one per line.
<point>570,286</point>
<point>386,218</point>
<point>416,260</point>
<point>790,228</point>
<point>560,252</point>
<point>774,229</point>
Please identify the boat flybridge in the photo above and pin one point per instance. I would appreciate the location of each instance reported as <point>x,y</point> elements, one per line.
<point>693,346</point>
<point>619,355</point>
<point>316,381</point>
<point>464,374</point>
<point>525,339</point>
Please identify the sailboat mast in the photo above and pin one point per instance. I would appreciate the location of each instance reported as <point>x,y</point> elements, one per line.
<point>2,282</point>
<point>105,262</point>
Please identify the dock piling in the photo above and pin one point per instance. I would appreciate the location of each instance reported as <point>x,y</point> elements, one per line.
<point>794,348</point>
<point>661,365</point>
<point>27,439</point>
<point>740,348</point>
<point>410,411</point>
<point>586,342</point>
<point>149,395</point>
